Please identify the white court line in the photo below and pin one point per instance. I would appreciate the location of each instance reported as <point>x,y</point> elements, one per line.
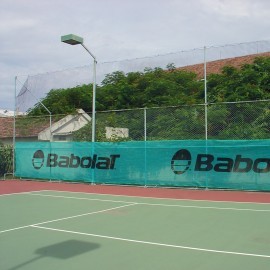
<point>70,217</point>
<point>21,193</point>
<point>14,229</point>
<point>156,198</point>
<point>78,198</point>
<point>17,193</point>
<point>155,243</point>
<point>156,204</point>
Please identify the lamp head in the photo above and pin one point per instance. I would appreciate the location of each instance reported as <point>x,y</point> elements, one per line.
<point>72,39</point>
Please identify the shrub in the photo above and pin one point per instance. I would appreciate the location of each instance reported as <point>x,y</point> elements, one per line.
<point>6,157</point>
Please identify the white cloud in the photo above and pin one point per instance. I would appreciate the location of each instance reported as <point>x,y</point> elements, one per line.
<point>14,24</point>
<point>230,9</point>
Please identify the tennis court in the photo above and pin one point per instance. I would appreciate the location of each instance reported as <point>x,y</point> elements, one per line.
<point>54,229</point>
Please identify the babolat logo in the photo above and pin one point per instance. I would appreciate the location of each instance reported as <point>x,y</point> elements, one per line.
<point>38,159</point>
<point>73,161</point>
<point>182,160</point>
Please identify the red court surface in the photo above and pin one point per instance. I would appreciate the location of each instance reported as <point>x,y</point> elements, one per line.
<point>17,186</point>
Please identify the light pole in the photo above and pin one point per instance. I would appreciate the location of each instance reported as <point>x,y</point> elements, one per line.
<point>75,40</point>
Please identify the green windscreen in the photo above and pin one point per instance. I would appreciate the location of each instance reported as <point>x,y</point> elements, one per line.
<point>204,164</point>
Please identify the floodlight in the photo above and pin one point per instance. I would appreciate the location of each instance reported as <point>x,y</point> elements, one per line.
<point>72,39</point>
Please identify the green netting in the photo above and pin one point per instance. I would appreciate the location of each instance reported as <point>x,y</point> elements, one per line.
<point>204,164</point>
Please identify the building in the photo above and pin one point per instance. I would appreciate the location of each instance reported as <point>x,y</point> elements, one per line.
<point>63,129</point>
<point>29,129</point>
<point>32,129</point>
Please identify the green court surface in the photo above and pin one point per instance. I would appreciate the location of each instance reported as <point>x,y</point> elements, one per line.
<point>67,230</point>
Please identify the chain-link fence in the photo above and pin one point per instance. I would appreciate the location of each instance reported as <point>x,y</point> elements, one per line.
<point>206,121</point>
<point>33,88</point>
<point>239,121</point>
<point>224,121</point>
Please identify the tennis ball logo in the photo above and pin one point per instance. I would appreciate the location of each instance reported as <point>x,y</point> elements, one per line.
<point>181,161</point>
<point>38,159</point>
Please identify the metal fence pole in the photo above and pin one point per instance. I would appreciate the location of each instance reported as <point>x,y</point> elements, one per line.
<point>145,125</point>
<point>205,110</point>
<point>14,126</point>
<point>145,147</point>
<point>205,96</point>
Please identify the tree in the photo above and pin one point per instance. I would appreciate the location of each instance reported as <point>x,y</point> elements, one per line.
<point>250,82</point>
<point>156,87</point>
<point>64,101</point>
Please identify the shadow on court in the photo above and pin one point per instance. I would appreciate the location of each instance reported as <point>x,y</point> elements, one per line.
<point>63,250</point>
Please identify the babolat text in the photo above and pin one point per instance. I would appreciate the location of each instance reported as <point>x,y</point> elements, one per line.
<point>72,161</point>
<point>207,162</point>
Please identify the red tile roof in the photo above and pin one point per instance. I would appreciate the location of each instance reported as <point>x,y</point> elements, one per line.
<point>216,66</point>
<point>24,127</point>
<point>6,127</point>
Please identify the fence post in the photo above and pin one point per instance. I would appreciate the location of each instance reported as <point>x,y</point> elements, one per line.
<point>205,110</point>
<point>14,126</point>
<point>205,96</point>
<point>145,147</point>
<point>145,124</point>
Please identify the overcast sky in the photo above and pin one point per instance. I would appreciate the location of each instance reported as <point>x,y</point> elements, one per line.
<point>30,31</point>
